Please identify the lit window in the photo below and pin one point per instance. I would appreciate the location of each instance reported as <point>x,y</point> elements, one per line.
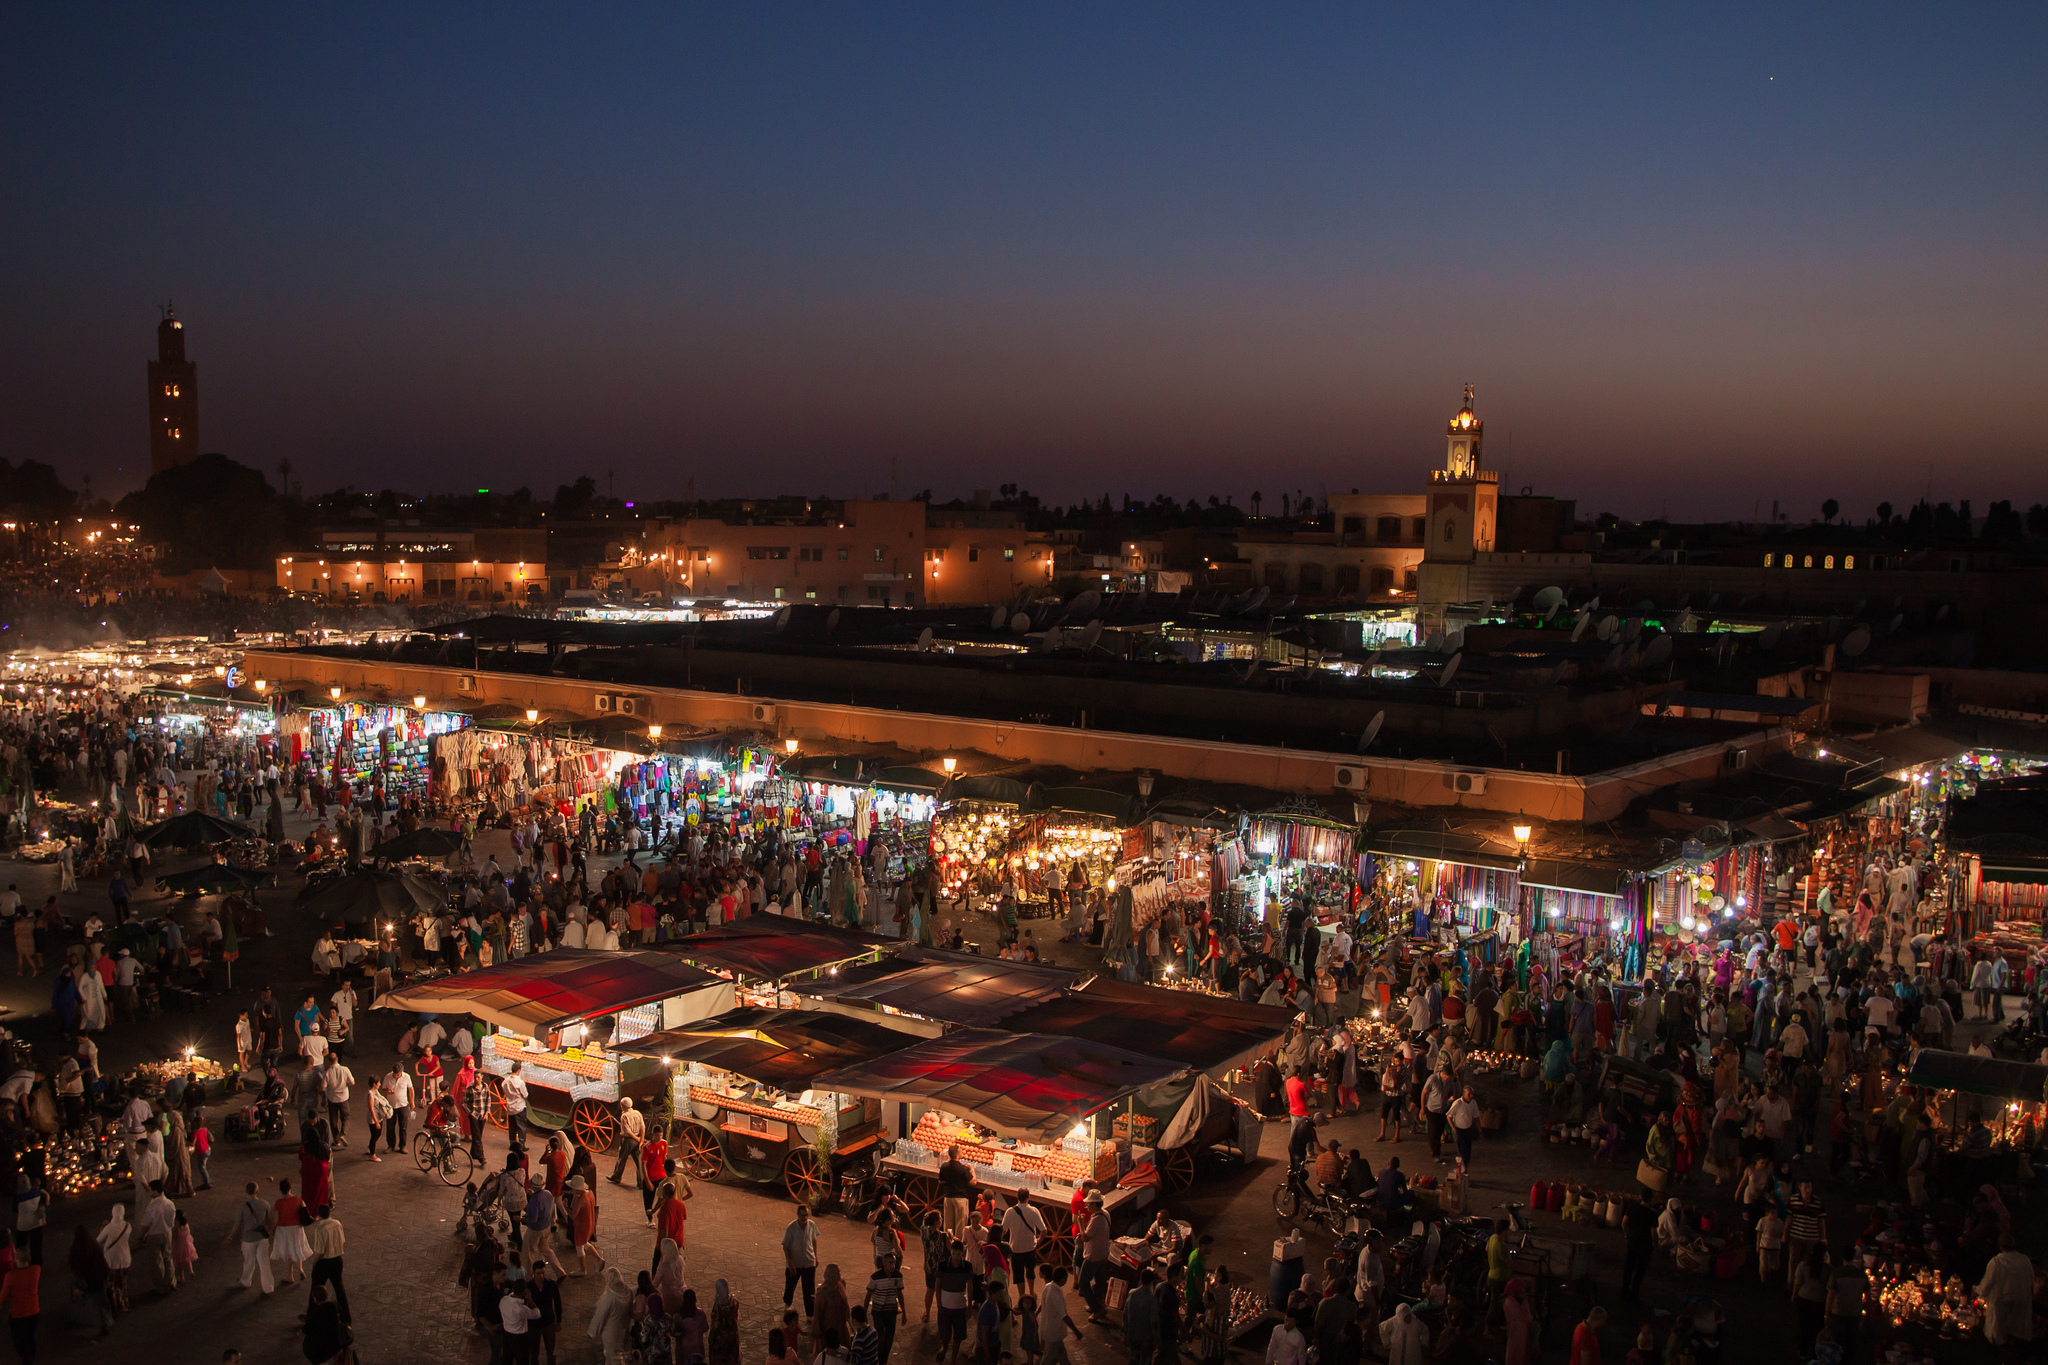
<point>1009,552</point>
<point>844,551</point>
<point>878,554</point>
<point>1828,563</point>
<point>1848,561</point>
<point>1768,559</point>
<point>1809,562</point>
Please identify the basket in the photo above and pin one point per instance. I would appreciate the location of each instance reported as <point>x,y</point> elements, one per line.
<point>1137,1127</point>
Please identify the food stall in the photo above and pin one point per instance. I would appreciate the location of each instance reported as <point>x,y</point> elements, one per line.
<point>1032,1113</point>
<point>937,985</point>
<point>762,952</point>
<point>741,1090</point>
<point>564,1016</point>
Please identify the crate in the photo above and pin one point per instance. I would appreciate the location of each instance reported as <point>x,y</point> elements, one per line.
<point>1141,1128</point>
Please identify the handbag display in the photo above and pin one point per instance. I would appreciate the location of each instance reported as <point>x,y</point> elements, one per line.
<point>1654,1177</point>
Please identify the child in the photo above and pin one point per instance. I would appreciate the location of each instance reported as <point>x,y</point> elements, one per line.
<point>1027,1323</point>
<point>1645,1350</point>
<point>184,1255</point>
<point>1770,1245</point>
<point>202,1148</point>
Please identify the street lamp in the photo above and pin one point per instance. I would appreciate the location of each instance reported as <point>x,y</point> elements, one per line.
<point>950,764</point>
<point>789,745</point>
<point>334,692</point>
<point>1522,833</point>
<point>532,715</point>
<point>654,732</point>
<point>419,701</point>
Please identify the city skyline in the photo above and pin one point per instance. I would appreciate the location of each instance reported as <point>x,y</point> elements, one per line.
<point>1691,267</point>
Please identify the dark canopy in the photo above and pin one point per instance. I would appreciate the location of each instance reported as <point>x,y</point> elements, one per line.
<point>785,1049</point>
<point>193,828</point>
<point>1992,1076</point>
<point>546,990</point>
<point>424,842</point>
<point>954,988</point>
<point>770,947</point>
<point>371,895</point>
<point>1207,1032</point>
<point>1026,1085</point>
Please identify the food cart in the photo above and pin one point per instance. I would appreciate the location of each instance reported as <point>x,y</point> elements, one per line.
<point>564,1016</point>
<point>742,1091</point>
<point>1032,1113</point>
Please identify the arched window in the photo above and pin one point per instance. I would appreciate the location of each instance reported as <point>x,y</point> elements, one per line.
<point>1450,530</point>
<point>1828,563</point>
<point>1809,562</point>
<point>1768,559</point>
<point>1848,561</point>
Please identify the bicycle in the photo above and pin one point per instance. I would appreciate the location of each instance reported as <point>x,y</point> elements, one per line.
<point>439,1151</point>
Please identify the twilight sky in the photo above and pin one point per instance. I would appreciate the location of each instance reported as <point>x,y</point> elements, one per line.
<point>1692,261</point>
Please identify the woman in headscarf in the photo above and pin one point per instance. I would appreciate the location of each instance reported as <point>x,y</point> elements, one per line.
<point>671,1272</point>
<point>113,1240</point>
<point>177,1156</point>
<point>1671,1224</point>
<point>2007,1290</point>
<point>612,1316</point>
<point>691,1323</point>
<point>583,1223</point>
<point>316,1168</point>
<point>723,1341</point>
<point>92,1002</point>
<point>833,1308</point>
<point>89,1278</point>
<point>64,998</point>
<point>1405,1339</point>
<point>1660,1155</point>
<point>1514,1306</point>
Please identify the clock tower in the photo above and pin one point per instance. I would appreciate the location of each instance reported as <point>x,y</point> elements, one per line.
<point>1464,499</point>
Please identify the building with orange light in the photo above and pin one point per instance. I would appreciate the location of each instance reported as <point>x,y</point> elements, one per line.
<point>173,398</point>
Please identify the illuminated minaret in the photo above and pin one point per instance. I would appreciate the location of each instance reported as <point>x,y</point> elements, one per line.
<point>173,398</point>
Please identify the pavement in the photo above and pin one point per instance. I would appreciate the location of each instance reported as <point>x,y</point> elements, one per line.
<point>403,1252</point>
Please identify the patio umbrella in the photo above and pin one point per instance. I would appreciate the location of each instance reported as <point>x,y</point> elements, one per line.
<point>211,880</point>
<point>425,842</point>
<point>370,896</point>
<point>193,829</point>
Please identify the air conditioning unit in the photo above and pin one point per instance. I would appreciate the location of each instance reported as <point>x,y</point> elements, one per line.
<point>762,713</point>
<point>466,683</point>
<point>1469,784</point>
<point>630,706</point>
<point>1350,779</point>
<point>1735,759</point>
<point>605,701</point>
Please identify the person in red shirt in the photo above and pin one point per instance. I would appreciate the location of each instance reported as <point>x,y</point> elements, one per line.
<point>23,1290</point>
<point>653,1170</point>
<point>1586,1338</point>
<point>670,1216</point>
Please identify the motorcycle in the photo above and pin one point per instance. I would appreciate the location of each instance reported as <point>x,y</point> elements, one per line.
<point>1299,1200</point>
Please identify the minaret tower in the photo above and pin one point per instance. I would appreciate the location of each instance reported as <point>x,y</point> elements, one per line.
<point>173,398</point>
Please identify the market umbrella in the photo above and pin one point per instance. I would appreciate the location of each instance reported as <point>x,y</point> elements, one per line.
<point>424,842</point>
<point>211,880</point>
<point>369,896</point>
<point>194,828</point>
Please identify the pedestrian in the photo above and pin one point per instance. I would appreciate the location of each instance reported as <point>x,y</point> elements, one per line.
<point>514,1090</point>
<point>324,1239</point>
<point>723,1341</point>
<point>537,1238</point>
<point>23,1289</point>
<point>1585,1339</point>
<point>612,1317</point>
<point>379,1105</point>
<point>800,1259</point>
<point>1141,1319</point>
<point>547,1298</point>
<point>184,1253</point>
<point>632,1131</point>
<point>255,1222</point>
<point>583,1224</point>
<point>398,1089</point>
<point>324,1336</point>
<point>289,1221</point>
<point>1094,1239</point>
<point>336,1084</point>
<point>884,1303</point>
<point>159,1222</point>
<point>1463,1116</point>
<point>113,1240</point>
<point>31,1214</point>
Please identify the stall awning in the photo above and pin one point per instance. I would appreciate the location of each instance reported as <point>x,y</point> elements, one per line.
<point>1563,876</point>
<point>954,988</point>
<point>910,779</point>
<point>1829,804</point>
<point>2026,874</point>
<point>1023,1085</point>
<point>770,947</point>
<point>1207,1032</point>
<point>1439,846</point>
<point>785,1049</point>
<point>1992,1076</point>
<point>1769,829</point>
<point>1117,806</point>
<point>546,990</point>
<point>988,788</point>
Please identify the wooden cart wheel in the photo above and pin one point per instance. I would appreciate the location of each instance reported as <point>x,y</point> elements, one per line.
<point>498,1114</point>
<point>1176,1169</point>
<point>695,1149</point>
<point>594,1124</point>
<point>1056,1243</point>
<point>807,1178</point>
<point>922,1195</point>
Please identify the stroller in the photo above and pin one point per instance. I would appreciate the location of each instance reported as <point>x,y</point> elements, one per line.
<point>483,1210</point>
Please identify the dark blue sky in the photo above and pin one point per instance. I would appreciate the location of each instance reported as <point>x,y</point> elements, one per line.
<point>1692,261</point>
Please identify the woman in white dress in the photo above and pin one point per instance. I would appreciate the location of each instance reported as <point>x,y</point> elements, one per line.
<point>92,1002</point>
<point>67,866</point>
<point>113,1238</point>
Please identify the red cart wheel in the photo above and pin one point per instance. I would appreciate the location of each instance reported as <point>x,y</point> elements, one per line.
<point>807,1178</point>
<point>695,1149</point>
<point>1056,1243</point>
<point>922,1194</point>
<point>499,1115</point>
<point>594,1124</point>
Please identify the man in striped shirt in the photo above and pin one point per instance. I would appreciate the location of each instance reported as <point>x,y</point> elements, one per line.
<point>1806,1225</point>
<point>884,1302</point>
<point>867,1343</point>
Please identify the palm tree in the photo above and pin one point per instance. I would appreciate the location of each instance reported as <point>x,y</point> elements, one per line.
<point>1884,514</point>
<point>1828,510</point>
<point>1257,498</point>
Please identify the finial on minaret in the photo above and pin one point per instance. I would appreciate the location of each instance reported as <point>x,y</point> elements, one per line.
<point>1468,395</point>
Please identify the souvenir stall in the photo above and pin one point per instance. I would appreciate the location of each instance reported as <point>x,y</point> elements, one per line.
<point>1297,855</point>
<point>742,1092</point>
<point>515,767</point>
<point>563,1016</point>
<point>1178,863</point>
<point>1449,888</point>
<point>1030,1113</point>
<point>361,743</point>
<point>1569,913</point>
<point>974,843</point>
<point>854,812</point>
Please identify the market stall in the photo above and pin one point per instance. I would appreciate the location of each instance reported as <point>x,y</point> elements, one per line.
<point>1299,856</point>
<point>563,1015</point>
<point>945,987</point>
<point>741,1090</point>
<point>1032,1113</point>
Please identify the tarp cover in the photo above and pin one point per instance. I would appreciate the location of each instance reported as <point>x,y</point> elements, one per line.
<point>1022,1085</point>
<point>785,1049</point>
<point>1992,1076</point>
<point>1559,875</point>
<point>1210,1033</point>
<point>770,947</point>
<point>543,990</point>
<point>955,988</point>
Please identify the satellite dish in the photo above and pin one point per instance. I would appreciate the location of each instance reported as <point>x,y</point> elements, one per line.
<point>1051,639</point>
<point>924,639</point>
<point>832,621</point>
<point>1556,676</point>
<point>1632,629</point>
<point>1658,651</point>
<point>1020,623</point>
<point>1090,633</point>
<point>1083,606</point>
<point>1860,606</point>
<point>1688,623</point>
<point>1593,605</point>
<point>1856,641</point>
<point>1434,640</point>
<point>1453,641</point>
<point>781,620</point>
<point>1832,628</point>
<point>995,622</point>
<point>1609,628</point>
<point>1580,628</point>
<point>1551,610</point>
<point>1614,659</point>
<point>1372,660</point>
<point>1549,599</point>
<point>1372,730</point>
<point>1897,621</point>
<point>1258,599</point>
<point>1713,601</point>
<point>1769,636</point>
<point>1450,671</point>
